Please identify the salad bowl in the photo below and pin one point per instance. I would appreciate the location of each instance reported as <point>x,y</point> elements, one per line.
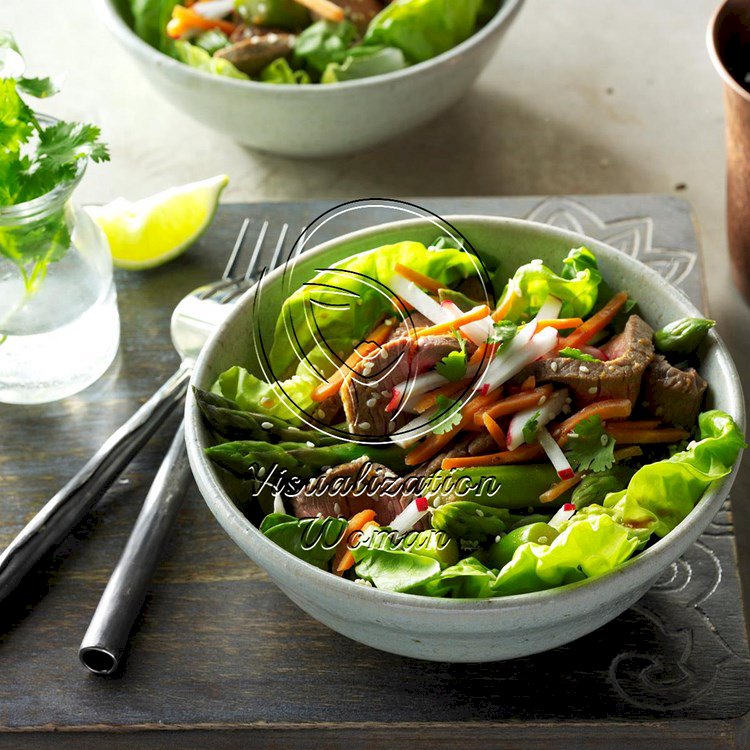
<point>320,120</point>
<point>460,630</point>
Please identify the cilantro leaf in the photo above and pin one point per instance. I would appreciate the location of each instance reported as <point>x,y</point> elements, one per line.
<point>573,353</point>
<point>590,448</point>
<point>453,366</point>
<point>531,428</point>
<point>448,414</point>
<point>503,333</point>
<point>39,88</point>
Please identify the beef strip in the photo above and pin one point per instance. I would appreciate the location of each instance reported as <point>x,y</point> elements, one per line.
<point>253,52</point>
<point>367,389</point>
<point>482,444</point>
<point>673,395</point>
<point>328,412</point>
<point>628,353</point>
<point>415,320</point>
<point>343,491</point>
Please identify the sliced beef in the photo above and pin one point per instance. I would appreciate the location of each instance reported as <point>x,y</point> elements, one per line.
<point>345,491</point>
<point>482,444</point>
<point>673,395</point>
<point>254,51</point>
<point>473,289</point>
<point>628,354</point>
<point>367,389</point>
<point>329,412</point>
<point>415,320</point>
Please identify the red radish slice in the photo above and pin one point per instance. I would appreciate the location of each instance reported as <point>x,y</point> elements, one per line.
<point>515,358</point>
<point>546,411</point>
<point>412,431</point>
<point>409,292</point>
<point>408,392</point>
<point>563,514</point>
<point>410,516</point>
<point>555,454</point>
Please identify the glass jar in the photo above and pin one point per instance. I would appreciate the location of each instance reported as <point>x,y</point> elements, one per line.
<point>59,325</point>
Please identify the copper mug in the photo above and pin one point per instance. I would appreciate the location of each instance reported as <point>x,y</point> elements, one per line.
<point>729,47</point>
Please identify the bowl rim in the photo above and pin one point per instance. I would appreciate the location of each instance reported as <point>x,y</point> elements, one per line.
<point>120,29</point>
<point>229,515</point>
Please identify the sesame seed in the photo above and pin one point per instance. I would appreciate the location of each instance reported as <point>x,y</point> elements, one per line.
<point>593,390</point>
<point>310,444</point>
<point>365,425</point>
<point>385,394</point>
<point>553,366</point>
<point>497,538</point>
<point>318,515</point>
<point>383,354</point>
<point>480,513</point>
<point>320,414</point>
<point>336,508</point>
<point>542,399</point>
<point>604,439</point>
<point>371,402</point>
<point>261,471</point>
<point>389,321</point>
<point>362,582</point>
<point>566,409</point>
<point>573,434</point>
<point>583,369</point>
<point>267,425</point>
<point>292,428</point>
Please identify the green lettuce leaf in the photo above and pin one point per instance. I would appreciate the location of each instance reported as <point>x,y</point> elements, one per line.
<point>423,29</point>
<point>196,57</point>
<point>364,62</point>
<point>313,540</point>
<point>283,14</point>
<point>280,72</point>
<point>364,307</point>
<point>150,19</point>
<point>323,43</point>
<point>577,286</point>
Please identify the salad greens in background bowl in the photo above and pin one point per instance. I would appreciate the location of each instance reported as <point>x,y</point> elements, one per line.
<point>318,87</point>
<point>505,579</point>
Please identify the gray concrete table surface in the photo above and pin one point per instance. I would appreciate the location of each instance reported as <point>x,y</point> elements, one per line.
<point>584,96</point>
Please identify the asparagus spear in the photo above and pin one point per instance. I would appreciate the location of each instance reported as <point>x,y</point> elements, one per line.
<point>245,457</point>
<point>226,418</point>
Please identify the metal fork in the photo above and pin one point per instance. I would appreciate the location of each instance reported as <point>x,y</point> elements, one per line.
<point>193,320</point>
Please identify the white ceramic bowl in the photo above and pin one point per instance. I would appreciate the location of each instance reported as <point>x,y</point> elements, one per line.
<point>445,629</point>
<point>315,121</point>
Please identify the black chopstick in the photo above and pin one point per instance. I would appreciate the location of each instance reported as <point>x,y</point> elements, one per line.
<point>104,643</point>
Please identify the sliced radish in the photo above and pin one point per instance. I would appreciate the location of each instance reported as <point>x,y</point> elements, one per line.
<point>515,358</point>
<point>412,431</point>
<point>213,9</point>
<point>550,309</point>
<point>408,392</point>
<point>563,514</point>
<point>555,454</point>
<point>409,292</point>
<point>411,515</point>
<point>546,411</point>
<point>478,332</point>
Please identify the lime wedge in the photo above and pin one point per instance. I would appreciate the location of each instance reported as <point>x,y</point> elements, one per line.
<point>146,233</point>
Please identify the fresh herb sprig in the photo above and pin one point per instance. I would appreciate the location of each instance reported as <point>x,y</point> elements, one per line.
<point>34,159</point>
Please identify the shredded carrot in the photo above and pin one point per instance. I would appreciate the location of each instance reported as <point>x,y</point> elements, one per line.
<point>560,488</point>
<point>325,8</point>
<point>185,19</point>
<point>433,444</point>
<point>642,437</point>
<point>559,324</point>
<point>483,351</point>
<point>523,454</point>
<point>343,559</point>
<point>479,312</point>
<point>630,452</point>
<point>418,278</point>
<point>529,384</point>
<point>597,322</point>
<point>515,403</point>
<point>495,431</point>
<point>639,424</point>
<point>612,408</point>
<point>430,399</point>
<point>367,347</point>
<point>503,308</point>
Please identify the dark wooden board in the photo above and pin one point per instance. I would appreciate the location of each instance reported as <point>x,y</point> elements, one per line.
<point>219,652</point>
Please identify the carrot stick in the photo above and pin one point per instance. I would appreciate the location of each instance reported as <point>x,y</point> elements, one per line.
<point>367,347</point>
<point>430,399</point>
<point>521,455</point>
<point>529,384</point>
<point>612,408</point>
<point>483,351</point>
<point>479,312</point>
<point>433,444</point>
<point>639,424</point>
<point>642,437</point>
<point>630,452</point>
<point>596,322</point>
<point>186,19</point>
<point>559,488</point>
<point>503,308</point>
<point>325,8</point>
<point>495,431</point>
<point>419,279</point>
<point>559,324</point>
<point>517,402</point>
<point>343,559</point>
